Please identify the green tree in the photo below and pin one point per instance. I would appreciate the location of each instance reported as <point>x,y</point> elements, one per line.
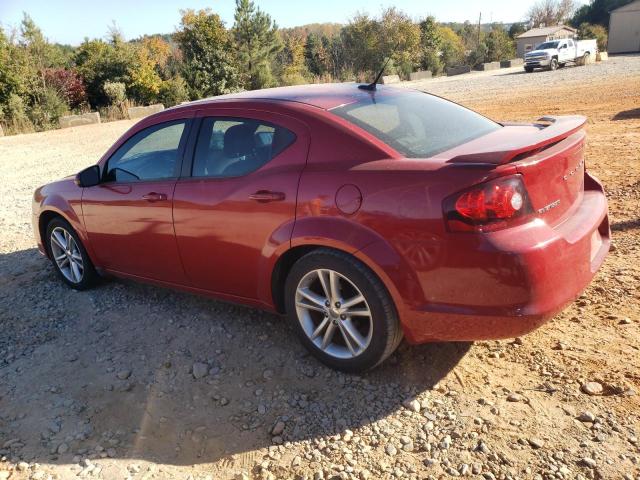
<point>210,64</point>
<point>315,55</point>
<point>400,40</point>
<point>152,55</point>
<point>173,91</point>
<point>294,70</point>
<point>430,43</point>
<point>516,29</point>
<point>257,41</point>
<point>596,12</point>
<point>360,41</point>
<point>499,45</point>
<point>98,62</point>
<point>451,47</point>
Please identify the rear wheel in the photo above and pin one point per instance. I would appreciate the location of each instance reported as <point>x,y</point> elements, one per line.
<point>554,64</point>
<point>585,58</point>
<point>341,311</point>
<point>68,255</point>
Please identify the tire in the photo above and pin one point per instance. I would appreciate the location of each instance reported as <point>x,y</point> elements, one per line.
<point>60,233</point>
<point>528,69</point>
<point>554,64</point>
<point>585,58</point>
<point>378,334</point>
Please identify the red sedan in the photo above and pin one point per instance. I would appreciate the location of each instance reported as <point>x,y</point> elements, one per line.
<point>364,215</point>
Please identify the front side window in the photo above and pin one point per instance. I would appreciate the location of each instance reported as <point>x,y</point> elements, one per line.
<point>232,147</point>
<point>151,154</point>
<point>548,45</point>
<point>416,124</point>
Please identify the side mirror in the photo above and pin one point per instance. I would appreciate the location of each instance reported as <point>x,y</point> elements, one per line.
<point>88,177</point>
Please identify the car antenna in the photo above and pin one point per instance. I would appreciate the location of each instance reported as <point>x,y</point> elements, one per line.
<point>372,87</point>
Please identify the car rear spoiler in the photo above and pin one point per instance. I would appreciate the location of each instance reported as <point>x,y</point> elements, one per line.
<point>552,130</point>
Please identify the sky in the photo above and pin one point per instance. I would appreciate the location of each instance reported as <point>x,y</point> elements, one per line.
<point>70,21</point>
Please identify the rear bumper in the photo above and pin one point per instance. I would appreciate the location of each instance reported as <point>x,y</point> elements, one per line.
<point>510,282</point>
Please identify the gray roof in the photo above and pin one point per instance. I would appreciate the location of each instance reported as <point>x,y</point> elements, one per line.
<point>631,7</point>
<point>544,31</point>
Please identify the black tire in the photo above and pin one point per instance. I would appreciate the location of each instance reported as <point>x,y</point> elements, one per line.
<point>554,64</point>
<point>528,69</point>
<point>585,58</point>
<point>89,276</point>
<point>562,65</point>
<point>386,332</point>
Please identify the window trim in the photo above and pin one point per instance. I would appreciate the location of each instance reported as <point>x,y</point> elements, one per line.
<point>187,170</point>
<point>180,160</point>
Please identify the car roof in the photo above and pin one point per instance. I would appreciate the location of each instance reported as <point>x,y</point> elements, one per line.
<point>325,96</point>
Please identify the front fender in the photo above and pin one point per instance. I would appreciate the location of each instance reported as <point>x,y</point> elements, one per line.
<point>68,205</point>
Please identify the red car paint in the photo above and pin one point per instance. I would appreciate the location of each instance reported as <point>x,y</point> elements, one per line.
<point>338,186</point>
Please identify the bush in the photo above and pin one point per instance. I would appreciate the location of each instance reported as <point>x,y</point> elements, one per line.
<point>116,92</point>
<point>173,92</point>
<point>16,114</point>
<point>589,31</point>
<point>46,112</point>
<point>68,84</point>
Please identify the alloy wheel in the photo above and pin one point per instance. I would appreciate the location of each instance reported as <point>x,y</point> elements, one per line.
<point>334,313</point>
<point>66,254</point>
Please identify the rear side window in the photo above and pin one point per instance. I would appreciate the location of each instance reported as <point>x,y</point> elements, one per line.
<point>233,147</point>
<point>416,124</point>
<point>151,154</point>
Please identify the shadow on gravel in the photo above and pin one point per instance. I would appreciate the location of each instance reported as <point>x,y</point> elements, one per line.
<point>625,225</point>
<point>627,114</point>
<point>109,373</point>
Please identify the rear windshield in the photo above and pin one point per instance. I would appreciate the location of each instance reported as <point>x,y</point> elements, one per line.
<point>416,124</point>
<point>547,45</point>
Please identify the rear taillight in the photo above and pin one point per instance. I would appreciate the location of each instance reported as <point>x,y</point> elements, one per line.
<point>489,206</point>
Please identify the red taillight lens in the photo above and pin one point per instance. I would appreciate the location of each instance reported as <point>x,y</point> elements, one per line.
<point>489,206</point>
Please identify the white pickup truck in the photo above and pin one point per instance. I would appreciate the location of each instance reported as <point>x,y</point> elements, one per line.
<point>557,53</point>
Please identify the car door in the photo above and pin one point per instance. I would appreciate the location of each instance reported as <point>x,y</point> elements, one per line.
<point>128,216</point>
<point>563,52</point>
<point>238,202</point>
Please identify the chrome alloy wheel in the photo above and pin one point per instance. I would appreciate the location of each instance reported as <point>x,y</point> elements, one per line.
<point>327,302</point>
<point>67,255</point>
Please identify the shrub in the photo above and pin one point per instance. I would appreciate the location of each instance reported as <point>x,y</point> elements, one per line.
<point>15,111</point>
<point>588,31</point>
<point>173,91</point>
<point>68,84</point>
<point>48,109</point>
<point>116,92</point>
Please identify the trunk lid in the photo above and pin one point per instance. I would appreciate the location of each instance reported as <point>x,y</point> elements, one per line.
<point>549,155</point>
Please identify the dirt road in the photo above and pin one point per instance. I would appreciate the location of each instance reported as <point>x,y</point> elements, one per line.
<point>101,384</point>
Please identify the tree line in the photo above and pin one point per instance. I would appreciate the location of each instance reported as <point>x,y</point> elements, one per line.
<point>41,81</point>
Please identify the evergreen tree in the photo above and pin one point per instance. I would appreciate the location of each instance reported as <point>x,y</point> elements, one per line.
<point>257,41</point>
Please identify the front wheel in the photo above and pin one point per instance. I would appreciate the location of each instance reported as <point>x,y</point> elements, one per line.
<point>528,69</point>
<point>553,65</point>
<point>68,255</point>
<point>341,311</point>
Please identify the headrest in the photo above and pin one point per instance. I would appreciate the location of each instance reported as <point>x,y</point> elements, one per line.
<point>239,140</point>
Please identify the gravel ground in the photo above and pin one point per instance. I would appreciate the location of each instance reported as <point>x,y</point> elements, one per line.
<point>133,381</point>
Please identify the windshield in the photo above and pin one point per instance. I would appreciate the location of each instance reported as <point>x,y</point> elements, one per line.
<point>547,45</point>
<point>416,124</point>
